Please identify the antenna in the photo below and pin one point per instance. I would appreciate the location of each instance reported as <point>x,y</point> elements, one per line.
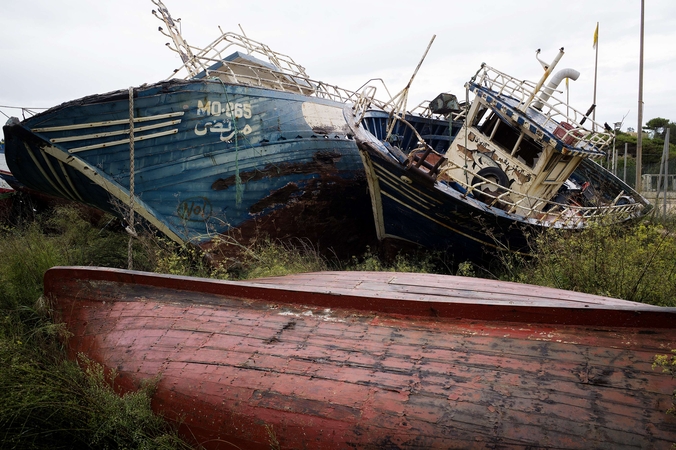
<point>399,101</point>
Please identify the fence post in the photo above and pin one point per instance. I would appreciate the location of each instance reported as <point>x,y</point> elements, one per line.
<point>665,169</point>
<point>624,177</point>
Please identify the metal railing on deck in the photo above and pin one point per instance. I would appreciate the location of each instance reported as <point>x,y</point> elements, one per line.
<point>270,69</point>
<point>541,211</point>
<point>278,71</point>
<point>554,111</point>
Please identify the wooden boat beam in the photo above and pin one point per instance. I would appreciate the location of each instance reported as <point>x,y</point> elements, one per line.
<point>538,306</point>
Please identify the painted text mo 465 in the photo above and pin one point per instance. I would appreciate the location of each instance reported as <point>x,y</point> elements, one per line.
<point>230,109</point>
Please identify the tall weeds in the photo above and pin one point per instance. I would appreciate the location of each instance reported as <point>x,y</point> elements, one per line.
<point>633,262</point>
<point>47,401</point>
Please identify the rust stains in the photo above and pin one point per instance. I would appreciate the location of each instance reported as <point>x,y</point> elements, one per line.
<point>322,162</point>
<point>331,213</point>
<point>469,154</point>
<point>279,197</point>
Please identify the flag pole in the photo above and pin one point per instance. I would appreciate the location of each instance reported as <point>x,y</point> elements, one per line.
<point>596,66</point>
<point>639,128</point>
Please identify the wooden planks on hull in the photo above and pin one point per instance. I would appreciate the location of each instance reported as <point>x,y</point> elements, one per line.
<point>240,360</point>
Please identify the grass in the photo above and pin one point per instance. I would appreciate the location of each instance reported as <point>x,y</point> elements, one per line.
<point>635,262</point>
<point>49,401</point>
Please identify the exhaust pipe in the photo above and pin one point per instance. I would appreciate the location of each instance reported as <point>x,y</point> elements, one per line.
<point>553,84</point>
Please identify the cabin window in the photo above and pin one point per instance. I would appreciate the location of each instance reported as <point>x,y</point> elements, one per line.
<point>556,168</point>
<point>481,116</point>
<point>505,136</point>
<point>510,139</point>
<point>528,151</point>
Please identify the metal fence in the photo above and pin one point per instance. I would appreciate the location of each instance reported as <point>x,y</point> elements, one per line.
<point>625,169</point>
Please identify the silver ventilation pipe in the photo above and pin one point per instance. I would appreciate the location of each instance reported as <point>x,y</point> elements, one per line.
<point>548,90</point>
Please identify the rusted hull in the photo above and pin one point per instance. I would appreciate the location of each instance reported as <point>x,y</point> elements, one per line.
<point>378,360</point>
<point>212,159</point>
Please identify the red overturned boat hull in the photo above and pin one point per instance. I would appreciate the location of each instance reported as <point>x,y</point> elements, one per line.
<point>378,360</point>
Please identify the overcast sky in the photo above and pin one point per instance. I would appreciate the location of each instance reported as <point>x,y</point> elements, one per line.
<point>55,51</point>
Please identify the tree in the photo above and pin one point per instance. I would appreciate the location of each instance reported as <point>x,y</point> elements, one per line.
<point>658,127</point>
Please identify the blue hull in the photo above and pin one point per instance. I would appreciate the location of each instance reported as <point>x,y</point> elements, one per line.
<point>410,207</point>
<point>210,158</point>
<point>431,214</point>
<point>437,216</point>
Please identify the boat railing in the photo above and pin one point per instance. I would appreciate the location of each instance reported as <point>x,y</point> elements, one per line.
<point>423,110</point>
<point>539,210</point>
<point>554,114</point>
<point>363,103</point>
<point>272,70</point>
<point>282,73</point>
<point>227,44</point>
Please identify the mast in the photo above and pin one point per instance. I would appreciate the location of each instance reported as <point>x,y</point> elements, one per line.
<point>548,70</point>
<point>399,101</point>
<point>596,71</point>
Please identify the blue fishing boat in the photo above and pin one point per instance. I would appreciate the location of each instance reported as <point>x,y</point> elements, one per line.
<point>238,142</point>
<point>519,161</point>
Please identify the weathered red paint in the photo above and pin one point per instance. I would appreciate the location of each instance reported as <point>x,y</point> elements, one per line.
<point>378,360</point>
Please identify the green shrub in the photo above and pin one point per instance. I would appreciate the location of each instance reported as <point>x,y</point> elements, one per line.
<point>632,262</point>
<point>47,401</point>
<point>270,258</point>
<point>415,262</point>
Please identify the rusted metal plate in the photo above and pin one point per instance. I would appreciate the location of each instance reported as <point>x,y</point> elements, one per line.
<point>238,361</point>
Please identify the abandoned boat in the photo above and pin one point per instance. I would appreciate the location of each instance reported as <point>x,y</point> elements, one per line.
<point>338,360</point>
<point>245,143</point>
<point>6,189</point>
<point>519,160</point>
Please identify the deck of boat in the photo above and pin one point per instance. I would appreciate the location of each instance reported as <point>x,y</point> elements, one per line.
<point>379,360</point>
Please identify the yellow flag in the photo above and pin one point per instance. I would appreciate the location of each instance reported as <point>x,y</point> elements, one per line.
<point>596,35</point>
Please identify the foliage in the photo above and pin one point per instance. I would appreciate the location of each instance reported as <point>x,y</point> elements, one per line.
<point>48,402</point>
<point>653,140</point>
<point>45,400</point>
<point>400,262</point>
<point>659,126</point>
<point>652,149</point>
<point>667,363</point>
<point>263,258</point>
<point>269,258</point>
<point>178,259</point>
<point>632,262</point>
<point>59,237</point>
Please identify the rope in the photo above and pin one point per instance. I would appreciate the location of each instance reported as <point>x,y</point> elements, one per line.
<point>130,227</point>
<point>239,188</point>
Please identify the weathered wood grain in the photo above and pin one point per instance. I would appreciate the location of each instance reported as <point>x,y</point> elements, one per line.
<point>237,360</point>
